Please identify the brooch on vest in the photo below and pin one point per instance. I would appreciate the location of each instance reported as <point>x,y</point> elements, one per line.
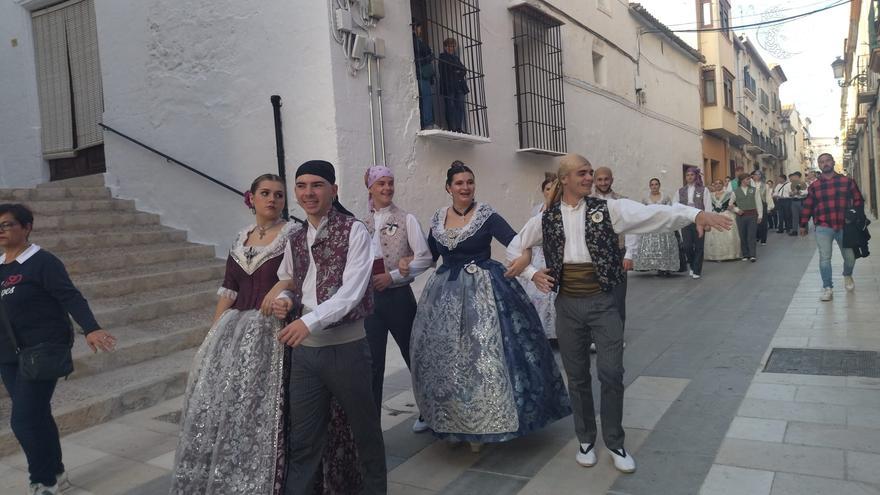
<point>390,229</point>
<point>596,216</point>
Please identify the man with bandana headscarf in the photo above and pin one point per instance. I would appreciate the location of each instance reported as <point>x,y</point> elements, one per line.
<point>328,268</point>
<point>401,253</point>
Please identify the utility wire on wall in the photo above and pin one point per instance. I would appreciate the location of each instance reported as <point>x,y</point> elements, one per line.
<point>773,22</point>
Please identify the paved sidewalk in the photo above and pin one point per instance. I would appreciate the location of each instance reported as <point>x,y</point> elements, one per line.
<point>804,434</point>
<point>699,420</point>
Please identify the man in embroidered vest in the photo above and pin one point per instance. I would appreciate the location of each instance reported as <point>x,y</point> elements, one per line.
<point>396,236</point>
<point>579,235</point>
<point>749,208</point>
<point>328,266</point>
<point>695,195</point>
<point>603,180</point>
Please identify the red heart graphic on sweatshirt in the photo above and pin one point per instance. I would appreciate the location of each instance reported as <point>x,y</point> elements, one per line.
<point>11,280</point>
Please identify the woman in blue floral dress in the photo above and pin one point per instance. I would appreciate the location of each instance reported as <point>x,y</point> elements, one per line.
<point>482,368</point>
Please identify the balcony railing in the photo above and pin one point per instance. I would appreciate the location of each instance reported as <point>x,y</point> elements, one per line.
<point>866,80</point>
<point>743,121</point>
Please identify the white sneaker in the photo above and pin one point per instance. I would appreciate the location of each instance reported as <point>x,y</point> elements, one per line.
<point>691,273</point>
<point>41,489</point>
<point>420,426</point>
<point>63,482</point>
<point>586,455</point>
<point>745,259</point>
<point>694,276</point>
<point>623,461</point>
<point>593,347</point>
<point>827,294</point>
<point>849,283</point>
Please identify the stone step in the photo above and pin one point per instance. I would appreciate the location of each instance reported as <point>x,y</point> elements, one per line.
<point>54,193</point>
<point>83,402</point>
<point>152,304</point>
<point>81,220</point>
<point>55,240</point>
<point>141,341</point>
<point>94,180</point>
<point>81,261</point>
<point>139,278</point>
<point>65,206</point>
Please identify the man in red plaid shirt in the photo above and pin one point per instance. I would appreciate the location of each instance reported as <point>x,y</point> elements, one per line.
<point>827,201</point>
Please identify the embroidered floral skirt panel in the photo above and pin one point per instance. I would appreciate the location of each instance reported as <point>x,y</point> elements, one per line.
<point>657,251</point>
<point>232,429</point>
<point>482,368</point>
<point>723,244</point>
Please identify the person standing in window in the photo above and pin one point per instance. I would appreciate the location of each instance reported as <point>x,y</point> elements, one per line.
<point>425,75</point>
<point>453,85</point>
<point>37,296</point>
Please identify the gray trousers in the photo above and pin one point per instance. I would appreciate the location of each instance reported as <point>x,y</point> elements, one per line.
<point>580,321</point>
<point>748,235</point>
<point>316,373</point>
<point>796,206</point>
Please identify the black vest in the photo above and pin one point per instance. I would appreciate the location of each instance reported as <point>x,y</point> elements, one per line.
<point>601,240</point>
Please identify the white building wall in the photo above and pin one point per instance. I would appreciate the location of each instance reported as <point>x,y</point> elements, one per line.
<point>194,79</point>
<point>21,159</point>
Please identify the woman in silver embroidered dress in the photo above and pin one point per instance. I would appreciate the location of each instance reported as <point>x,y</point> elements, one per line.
<point>544,303</point>
<point>482,368</point>
<point>231,439</point>
<point>658,251</point>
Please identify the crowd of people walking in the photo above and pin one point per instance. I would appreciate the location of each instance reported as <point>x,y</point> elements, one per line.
<point>285,392</point>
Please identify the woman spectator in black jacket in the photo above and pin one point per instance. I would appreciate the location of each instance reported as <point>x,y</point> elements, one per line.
<point>37,296</point>
<point>453,85</point>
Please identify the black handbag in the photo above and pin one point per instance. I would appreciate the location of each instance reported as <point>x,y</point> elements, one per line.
<point>44,361</point>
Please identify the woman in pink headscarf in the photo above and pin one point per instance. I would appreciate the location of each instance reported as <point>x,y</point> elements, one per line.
<point>397,236</point>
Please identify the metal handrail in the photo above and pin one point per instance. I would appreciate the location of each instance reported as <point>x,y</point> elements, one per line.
<point>171,159</point>
<point>191,169</point>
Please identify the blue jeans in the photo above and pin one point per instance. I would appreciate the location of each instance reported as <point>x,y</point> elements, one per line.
<point>426,103</point>
<point>824,236</point>
<point>33,424</point>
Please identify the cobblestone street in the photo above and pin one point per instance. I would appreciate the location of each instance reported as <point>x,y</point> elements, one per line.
<point>701,415</point>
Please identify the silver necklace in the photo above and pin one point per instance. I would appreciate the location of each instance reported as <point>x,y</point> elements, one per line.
<point>265,229</point>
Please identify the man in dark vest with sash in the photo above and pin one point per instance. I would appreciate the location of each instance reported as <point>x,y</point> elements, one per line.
<point>579,235</point>
<point>695,195</point>
<point>328,265</point>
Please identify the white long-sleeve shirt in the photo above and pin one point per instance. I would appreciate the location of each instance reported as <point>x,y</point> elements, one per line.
<point>707,201</point>
<point>355,278</point>
<point>422,259</point>
<point>627,217</point>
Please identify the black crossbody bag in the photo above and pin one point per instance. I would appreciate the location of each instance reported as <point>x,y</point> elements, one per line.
<point>44,361</point>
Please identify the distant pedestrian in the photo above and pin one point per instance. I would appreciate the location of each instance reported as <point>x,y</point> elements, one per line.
<point>827,201</point>
<point>797,193</point>
<point>749,207</point>
<point>722,245</point>
<point>453,85</point>
<point>38,299</point>
<point>783,205</point>
<point>694,194</point>
<point>766,204</point>
<point>771,214</point>
<point>424,57</point>
<point>657,250</point>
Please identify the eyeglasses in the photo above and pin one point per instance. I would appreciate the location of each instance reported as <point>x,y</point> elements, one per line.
<point>7,225</point>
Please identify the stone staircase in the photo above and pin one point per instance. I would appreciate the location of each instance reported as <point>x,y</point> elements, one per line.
<point>145,283</point>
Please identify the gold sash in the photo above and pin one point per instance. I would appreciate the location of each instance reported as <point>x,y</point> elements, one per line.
<point>579,280</point>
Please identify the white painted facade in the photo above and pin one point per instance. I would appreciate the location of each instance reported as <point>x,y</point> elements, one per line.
<point>194,79</point>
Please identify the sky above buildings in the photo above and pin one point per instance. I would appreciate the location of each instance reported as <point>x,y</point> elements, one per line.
<point>804,48</point>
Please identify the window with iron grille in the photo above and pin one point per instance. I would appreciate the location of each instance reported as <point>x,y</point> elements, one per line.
<point>540,103</point>
<point>449,65</point>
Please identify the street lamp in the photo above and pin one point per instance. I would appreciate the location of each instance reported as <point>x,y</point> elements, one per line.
<point>838,67</point>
